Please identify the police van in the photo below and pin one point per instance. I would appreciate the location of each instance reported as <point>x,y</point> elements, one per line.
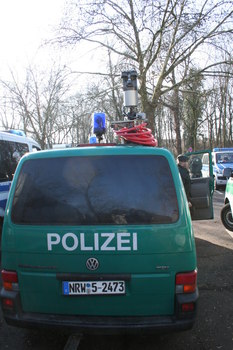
<point>99,239</point>
<point>221,158</point>
<point>13,145</point>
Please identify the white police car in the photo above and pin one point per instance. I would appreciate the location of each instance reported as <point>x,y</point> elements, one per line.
<point>221,158</point>
<point>226,212</point>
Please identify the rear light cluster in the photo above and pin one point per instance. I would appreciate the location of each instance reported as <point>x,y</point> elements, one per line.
<point>10,280</point>
<point>10,283</point>
<point>186,283</point>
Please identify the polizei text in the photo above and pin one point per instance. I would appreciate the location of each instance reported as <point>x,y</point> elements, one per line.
<point>121,241</point>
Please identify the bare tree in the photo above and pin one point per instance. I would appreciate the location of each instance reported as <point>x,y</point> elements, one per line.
<point>78,109</point>
<point>37,102</point>
<point>193,96</point>
<point>154,37</point>
<point>8,114</point>
<point>218,111</point>
<point>223,110</point>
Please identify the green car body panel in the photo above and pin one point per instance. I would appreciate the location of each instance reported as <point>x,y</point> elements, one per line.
<point>147,257</point>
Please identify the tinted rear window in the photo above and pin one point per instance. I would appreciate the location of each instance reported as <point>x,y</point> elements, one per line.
<point>95,190</point>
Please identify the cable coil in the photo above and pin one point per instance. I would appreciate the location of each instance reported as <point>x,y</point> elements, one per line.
<point>138,134</point>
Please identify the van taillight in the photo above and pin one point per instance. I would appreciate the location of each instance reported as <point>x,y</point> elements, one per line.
<point>10,280</point>
<point>186,282</point>
<point>7,303</point>
<point>188,307</point>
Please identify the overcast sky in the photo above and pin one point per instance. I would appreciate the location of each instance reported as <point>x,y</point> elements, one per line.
<point>24,25</point>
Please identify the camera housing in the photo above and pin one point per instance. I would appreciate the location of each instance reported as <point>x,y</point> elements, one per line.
<point>130,93</point>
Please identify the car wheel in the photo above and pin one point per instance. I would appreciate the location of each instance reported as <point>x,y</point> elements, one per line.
<point>226,217</point>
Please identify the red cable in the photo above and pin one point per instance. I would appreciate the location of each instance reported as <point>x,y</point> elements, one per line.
<point>138,134</point>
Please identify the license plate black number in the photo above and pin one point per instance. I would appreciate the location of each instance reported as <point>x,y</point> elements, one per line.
<point>93,287</point>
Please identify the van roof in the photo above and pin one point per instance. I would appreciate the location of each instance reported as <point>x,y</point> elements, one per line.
<point>5,135</point>
<point>95,150</point>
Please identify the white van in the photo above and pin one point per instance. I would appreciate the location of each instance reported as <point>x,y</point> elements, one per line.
<point>221,158</point>
<point>13,145</point>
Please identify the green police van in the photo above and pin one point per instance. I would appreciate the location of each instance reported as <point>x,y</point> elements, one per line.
<point>100,239</point>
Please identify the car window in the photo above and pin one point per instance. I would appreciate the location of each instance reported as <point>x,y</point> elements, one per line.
<point>205,159</point>
<point>95,190</point>
<point>10,154</point>
<point>225,157</point>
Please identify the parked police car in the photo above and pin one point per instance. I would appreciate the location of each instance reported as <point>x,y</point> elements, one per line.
<point>221,158</point>
<point>226,212</point>
<point>13,145</point>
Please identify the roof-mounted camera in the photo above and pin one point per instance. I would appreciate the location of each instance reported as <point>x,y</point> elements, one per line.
<point>130,93</point>
<point>133,128</point>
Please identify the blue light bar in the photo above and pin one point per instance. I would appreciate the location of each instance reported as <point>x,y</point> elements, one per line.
<point>92,139</point>
<point>222,149</point>
<point>16,132</point>
<point>99,124</point>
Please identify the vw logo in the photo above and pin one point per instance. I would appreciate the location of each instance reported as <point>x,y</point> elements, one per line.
<point>92,264</point>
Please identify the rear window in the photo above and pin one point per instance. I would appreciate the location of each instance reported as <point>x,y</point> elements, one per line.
<point>95,190</point>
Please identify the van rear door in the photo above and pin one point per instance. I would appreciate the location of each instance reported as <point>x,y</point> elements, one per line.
<point>99,233</point>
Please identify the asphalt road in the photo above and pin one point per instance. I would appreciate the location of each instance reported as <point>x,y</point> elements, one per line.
<point>214,324</point>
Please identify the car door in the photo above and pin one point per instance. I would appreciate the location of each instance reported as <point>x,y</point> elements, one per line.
<point>202,184</point>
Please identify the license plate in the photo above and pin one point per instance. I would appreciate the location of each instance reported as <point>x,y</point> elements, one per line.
<point>93,287</point>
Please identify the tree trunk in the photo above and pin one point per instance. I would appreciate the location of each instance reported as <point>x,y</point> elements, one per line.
<point>176,114</point>
<point>177,131</point>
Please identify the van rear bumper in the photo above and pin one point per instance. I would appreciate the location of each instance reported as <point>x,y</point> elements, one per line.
<point>100,325</point>
<point>104,324</point>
